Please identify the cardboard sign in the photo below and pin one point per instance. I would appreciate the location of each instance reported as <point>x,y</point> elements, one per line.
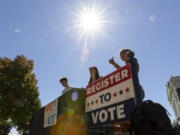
<point>111,99</point>
<point>50,114</point>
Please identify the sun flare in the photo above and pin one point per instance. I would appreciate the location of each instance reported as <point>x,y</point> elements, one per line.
<point>90,21</point>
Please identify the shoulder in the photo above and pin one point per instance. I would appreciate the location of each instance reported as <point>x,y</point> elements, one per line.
<point>67,89</point>
<point>128,61</point>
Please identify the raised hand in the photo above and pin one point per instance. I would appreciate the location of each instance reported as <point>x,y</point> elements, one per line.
<point>111,61</point>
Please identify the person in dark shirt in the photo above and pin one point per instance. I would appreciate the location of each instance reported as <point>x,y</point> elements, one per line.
<point>124,55</point>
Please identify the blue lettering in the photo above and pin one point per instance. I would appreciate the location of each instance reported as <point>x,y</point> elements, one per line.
<point>51,119</point>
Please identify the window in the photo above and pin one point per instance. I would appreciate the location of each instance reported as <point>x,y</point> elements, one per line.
<point>178,93</point>
<point>175,109</point>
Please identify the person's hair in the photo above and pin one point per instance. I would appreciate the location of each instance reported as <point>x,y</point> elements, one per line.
<point>126,51</point>
<point>130,54</point>
<point>62,79</point>
<point>96,75</point>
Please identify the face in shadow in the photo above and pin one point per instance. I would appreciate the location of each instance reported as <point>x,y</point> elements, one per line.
<point>64,83</point>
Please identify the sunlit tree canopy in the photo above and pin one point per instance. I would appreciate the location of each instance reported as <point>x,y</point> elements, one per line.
<point>18,92</point>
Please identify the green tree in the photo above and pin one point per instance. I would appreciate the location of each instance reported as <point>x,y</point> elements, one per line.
<point>5,127</point>
<point>18,92</point>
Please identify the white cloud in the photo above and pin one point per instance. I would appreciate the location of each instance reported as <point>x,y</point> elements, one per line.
<point>17,30</point>
<point>152,18</point>
<point>85,54</point>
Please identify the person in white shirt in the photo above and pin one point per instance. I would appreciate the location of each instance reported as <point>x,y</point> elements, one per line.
<point>64,83</point>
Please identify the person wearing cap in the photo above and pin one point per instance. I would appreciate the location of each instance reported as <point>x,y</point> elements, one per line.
<point>64,83</point>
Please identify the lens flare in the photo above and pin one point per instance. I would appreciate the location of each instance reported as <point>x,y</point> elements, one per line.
<point>68,124</point>
<point>90,20</point>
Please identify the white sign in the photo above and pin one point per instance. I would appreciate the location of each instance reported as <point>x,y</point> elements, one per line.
<point>111,98</point>
<point>50,113</point>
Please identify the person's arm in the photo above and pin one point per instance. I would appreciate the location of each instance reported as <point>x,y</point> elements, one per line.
<point>137,66</point>
<point>111,61</point>
<point>116,65</point>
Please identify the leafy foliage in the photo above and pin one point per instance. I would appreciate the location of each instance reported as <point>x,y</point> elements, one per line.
<point>5,127</point>
<point>18,92</point>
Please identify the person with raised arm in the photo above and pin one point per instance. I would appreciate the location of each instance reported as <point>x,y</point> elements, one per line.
<point>125,55</point>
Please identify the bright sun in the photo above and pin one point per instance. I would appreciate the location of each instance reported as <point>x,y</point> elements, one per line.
<point>89,21</point>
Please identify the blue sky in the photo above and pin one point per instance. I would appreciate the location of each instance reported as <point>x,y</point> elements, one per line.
<point>43,31</point>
